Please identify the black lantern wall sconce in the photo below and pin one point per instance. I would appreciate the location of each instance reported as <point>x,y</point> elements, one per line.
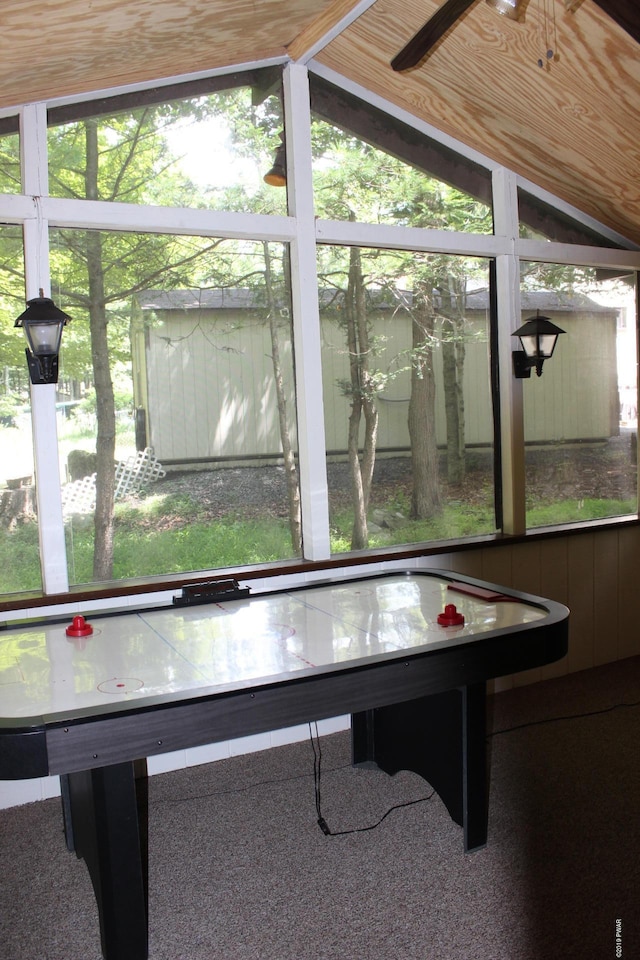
<point>42,323</point>
<point>538,337</point>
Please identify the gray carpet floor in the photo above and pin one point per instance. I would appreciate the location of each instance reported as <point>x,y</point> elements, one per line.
<point>239,870</point>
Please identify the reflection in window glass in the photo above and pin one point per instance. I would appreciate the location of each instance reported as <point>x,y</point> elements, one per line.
<point>19,547</point>
<point>10,179</point>
<point>180,443</point>
<point>407,388</point>
<point>581,415</point>
<point>209,151</point>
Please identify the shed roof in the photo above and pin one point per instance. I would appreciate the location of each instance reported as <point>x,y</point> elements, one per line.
<point>245,298</point>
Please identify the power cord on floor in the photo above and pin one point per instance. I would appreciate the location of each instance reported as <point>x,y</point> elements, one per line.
<point>317,766</point>
<point>317,749</point>
<point>317,775</point>
<point>569,716</point>
<point>254,785</point>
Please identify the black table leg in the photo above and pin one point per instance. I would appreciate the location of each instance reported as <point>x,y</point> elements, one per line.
<point>443,739</point>
<point>475,775</point>
<point>65,796</point>
<point>105,823</point>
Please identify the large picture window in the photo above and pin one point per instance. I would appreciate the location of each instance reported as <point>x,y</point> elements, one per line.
<point>20,569</point>
<point>209,147</point>
<point>178,450</point>
<point>367,167</point>
<point>408,396</point>
<point>581,416</point>
<point>264,368</point>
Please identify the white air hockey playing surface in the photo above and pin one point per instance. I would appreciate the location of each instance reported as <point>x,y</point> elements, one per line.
<point>233,644</point>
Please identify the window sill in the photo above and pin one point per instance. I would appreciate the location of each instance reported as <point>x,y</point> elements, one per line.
<point>113,589</point>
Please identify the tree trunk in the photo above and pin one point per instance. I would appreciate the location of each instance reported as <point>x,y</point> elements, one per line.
<point>291,472</point>
<point>453,355</point>
<point>105,405</point>
<point>362,402</point>
<point>452,370</point>
<point>369,407</point>
<point>461,350</point>
<point>425,499</point>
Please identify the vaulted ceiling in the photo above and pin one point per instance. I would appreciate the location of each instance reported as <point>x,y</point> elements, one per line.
<point>572,125</point>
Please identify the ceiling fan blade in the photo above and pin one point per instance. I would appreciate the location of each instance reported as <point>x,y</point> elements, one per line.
<point>426,38</point>
<point>625,13</point>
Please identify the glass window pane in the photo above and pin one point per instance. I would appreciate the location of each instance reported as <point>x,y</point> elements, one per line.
<point>190,361</point>
<point>210,150</point>
<point>542,221</point>
<point>407,388</point>
<point>10,178</point>
<point>370,167</point>
<point>581,414</point>
<point>19,547</point>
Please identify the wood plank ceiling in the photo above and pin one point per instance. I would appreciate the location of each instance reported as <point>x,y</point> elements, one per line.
<point>572,126</point>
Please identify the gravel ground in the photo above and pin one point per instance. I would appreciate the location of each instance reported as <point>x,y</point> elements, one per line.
<point>256,490</point>
<point>573,471</point>
<point>578,471</point>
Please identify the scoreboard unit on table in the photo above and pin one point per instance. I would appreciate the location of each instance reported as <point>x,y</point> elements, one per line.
<point>407,655</point>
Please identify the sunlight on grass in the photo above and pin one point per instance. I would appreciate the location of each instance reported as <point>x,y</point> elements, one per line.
<point>147,551</point>
<point>22,546</point>
<point>575,511</point>
<point>455,521</point>
<point>162,534</point>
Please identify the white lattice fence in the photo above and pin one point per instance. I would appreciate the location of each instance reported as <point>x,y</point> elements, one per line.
<point>79,496</point>
<point>132,475</point>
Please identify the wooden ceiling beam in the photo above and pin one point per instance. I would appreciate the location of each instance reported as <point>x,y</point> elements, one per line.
<point>445,17</point>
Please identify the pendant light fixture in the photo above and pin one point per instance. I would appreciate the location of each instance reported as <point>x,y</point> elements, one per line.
<point>514,9</point>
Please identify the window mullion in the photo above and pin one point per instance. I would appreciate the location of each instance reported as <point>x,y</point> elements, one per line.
<point>505,211</point>
<point>306,318</point>
<point>33,139</point>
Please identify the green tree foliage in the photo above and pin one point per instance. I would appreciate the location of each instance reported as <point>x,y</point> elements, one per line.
<point>12,304</point>
<point>123,158</point>
<point>14,378</point>
<point>131,157</point>
<point>10,162</point>
<point>355,181</point>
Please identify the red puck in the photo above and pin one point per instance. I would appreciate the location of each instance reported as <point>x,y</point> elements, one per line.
<point>79,628</point>
<point>450,617</point>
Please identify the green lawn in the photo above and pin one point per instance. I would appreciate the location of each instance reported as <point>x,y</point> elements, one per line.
<point>144,546</point>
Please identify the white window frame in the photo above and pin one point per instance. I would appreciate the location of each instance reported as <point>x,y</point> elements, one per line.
<point>37,212</point>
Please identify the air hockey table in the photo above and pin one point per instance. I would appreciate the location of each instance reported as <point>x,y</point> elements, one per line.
<point>407,655</point>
